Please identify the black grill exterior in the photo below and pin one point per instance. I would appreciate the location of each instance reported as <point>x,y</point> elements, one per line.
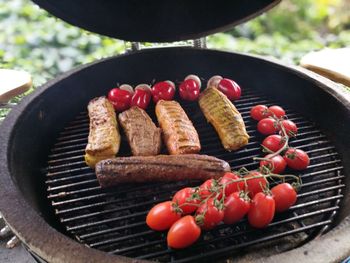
<point>113,220</point>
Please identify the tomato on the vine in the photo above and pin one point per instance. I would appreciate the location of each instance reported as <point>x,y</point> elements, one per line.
<point>268,126</point>
<point>229,186</point>
<point>162,216</point>
<point>255,185</point>
<point>209,214</point>
<point>276,164</point>
<point>183,233</point>
<point>120,99</point>
<point>209,187</point>
<point>259,112</point>
<point>230,88</point>
<point>290,127</point>
<point>187,199</point>
<point>237,206</point>
<point>273,142</point>
<point>285,196</point>
<point>164,90</point>
<point>277,111</point>
<point>262,210</point>
<point>296,159</point>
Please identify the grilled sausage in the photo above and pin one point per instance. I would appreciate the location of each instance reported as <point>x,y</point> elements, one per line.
<point>162,168</point>
<point>143,136</point>
<point>225,118</point>
<point>179,135</point>
<point>104,137</point>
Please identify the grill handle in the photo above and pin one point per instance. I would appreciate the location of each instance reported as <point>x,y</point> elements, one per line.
<point>197,43</point>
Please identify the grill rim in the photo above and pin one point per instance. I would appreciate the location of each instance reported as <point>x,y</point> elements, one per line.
<point>49,243</point>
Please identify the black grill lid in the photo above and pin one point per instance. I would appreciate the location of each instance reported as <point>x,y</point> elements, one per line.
<point>155,20</point>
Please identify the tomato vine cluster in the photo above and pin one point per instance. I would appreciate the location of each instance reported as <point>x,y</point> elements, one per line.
<point>236,194</point>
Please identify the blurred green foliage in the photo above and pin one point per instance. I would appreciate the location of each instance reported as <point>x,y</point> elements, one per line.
<point>33,40</point>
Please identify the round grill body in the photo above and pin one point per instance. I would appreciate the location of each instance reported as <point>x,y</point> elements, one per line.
<point>51,198</point>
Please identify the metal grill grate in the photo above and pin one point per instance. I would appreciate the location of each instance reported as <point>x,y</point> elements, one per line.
<point>113,220</point>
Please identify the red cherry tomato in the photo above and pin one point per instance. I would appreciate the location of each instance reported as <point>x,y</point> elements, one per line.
<point>209,214</point>
<point>259,112</point>
<point>296,159</point>
<point>276,164</point>
<point>237,206</point>
<point>231,187</point>
<point>273,142</point>
<point>162,216</point>
<point>190,197</point>
<point>255,185</point>
<point>277,111</point>
<point>141,98</point>
<point>267,126</point>
<point>164,90</point>
<point>183,233</point>
<point>120,99</point>
<point>209,187</point>
<point>230,89</point>
<point>290,128</point>
<point>284,195</point>
<point>189,90</point>
<point>262,210</point>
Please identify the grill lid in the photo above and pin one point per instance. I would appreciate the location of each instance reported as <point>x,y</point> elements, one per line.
<point>155,20</point>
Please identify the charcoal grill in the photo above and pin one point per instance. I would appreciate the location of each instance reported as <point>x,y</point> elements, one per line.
<point>52,200</point>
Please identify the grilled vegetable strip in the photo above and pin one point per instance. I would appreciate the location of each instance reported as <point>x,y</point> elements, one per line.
<point>143,136</point>
<point>225,118</point>
<point>179,134</point>
<point>104,137</point>
<point>159,168</point>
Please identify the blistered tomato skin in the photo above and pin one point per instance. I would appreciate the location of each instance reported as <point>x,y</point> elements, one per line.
<point>163,90</point>
<point>120,99</point>
<point>230,88</point>
<point>189,90</point>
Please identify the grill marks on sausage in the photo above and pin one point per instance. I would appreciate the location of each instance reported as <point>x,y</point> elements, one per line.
<point>159,168</point>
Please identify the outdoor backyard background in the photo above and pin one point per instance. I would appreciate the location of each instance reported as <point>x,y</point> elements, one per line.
<point>33,40</point>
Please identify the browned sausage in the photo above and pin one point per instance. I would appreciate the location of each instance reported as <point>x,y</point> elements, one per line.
<point>164,168</point>
<point>180,137</point>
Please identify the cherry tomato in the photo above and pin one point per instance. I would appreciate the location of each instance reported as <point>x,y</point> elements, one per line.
<point>209,214</point>
<point>162,216</point>
<point>141,98</point>
<point>231,187</point>
<point>237,206</point>
<point>290,127</point>
<point>209,187</point>
<point>259,112</point>
<point>190,197</point>
<point>262,210</point>
<point>273,142</point>
<point>296,159</point>
<point>164,90</point>
<point>255,185</point>
<point>120,99</point>
<point>277,111</point>
<point>267,126</point>
<point>189,90</point>
<point>230,88</point>
<point>214,81</point>
<point>276,164</point>
<point>284,195</point>
<point>183,233</point>
<point>195,78</point>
